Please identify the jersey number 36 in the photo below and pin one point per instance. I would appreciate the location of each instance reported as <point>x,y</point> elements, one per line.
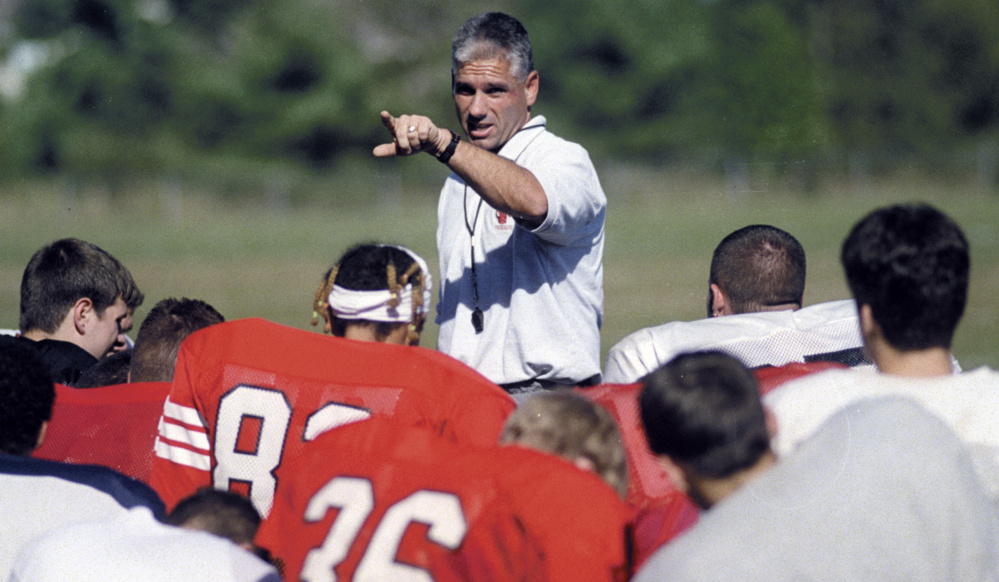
<point>354,498</point>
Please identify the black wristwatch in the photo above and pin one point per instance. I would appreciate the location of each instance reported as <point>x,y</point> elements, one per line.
<point>445,155</point>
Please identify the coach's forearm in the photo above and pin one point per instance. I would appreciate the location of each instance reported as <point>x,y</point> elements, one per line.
<point>503,184</point>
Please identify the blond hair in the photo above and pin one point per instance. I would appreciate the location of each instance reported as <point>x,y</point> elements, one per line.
<point>572,427</point>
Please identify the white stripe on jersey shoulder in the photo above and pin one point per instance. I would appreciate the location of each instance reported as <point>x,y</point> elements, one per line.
<point>182,456</point>
<point>194,437</point>
<point>184,414</point>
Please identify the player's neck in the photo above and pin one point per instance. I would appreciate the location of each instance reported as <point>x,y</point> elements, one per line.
<point>927,363</point>
<point>713,491</point>
<point>368,333</point>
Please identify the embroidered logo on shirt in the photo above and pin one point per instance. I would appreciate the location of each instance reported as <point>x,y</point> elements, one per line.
<point>502,219</point>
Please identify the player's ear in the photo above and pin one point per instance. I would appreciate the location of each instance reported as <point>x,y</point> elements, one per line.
<point>719,303</point>
<point>41,434</point>
<point>868,327</point>
<point>82,312</point>
<point>771,422</point>
<point>585,463</point>
<point>414,331</point>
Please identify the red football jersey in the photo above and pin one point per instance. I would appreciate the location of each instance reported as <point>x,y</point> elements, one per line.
<point>647,481</point>
<point>111,426</point>
<point>248,394</point>
<point>770,377</point>
<point>658,522</point>
<point>382,501</point>
<point>580,524</point>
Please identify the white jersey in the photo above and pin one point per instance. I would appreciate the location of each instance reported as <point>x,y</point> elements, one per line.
<point>134,546</point>
<point>823,332</point>
<point>38,495</point>
<point>968,402</point>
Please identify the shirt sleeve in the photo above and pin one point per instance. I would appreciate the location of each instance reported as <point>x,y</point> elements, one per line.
<point>576,201</point>
<point>182,454</point>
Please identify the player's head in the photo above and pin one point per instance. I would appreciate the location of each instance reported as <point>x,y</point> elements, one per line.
<point>26,397</point>
<point>756,268</point>
<point>572,427</point>
<point>110,370</point>
<point>71,274</point>
<point>375,291</point>
<point>910,264</point>
<point>222,513</point>
<point>702,411</point>
<point>168,323</point>
<point>490,35</point>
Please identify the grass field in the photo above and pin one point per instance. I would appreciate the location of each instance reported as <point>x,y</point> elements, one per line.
<point>255,258</point>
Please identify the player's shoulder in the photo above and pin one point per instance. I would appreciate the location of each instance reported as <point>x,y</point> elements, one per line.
<point>981,376</point>
<point>644,350</point>
<point>632,357</point>
<point>826,312</point>
<point>85,480</point>
<point>823,382</point>
<point>115,394</point>
<point>608,394</point>
<point>261,344</point>
<point>544,480</point>
<point>674,337</point>
<point>246,339</point>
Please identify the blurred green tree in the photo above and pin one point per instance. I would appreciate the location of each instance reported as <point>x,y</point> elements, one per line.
<point>189,87</point>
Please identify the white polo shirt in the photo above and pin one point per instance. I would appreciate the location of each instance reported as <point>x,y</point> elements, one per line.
<point>541,290</point>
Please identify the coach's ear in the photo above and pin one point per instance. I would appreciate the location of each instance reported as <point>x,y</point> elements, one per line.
<point>719,303</point>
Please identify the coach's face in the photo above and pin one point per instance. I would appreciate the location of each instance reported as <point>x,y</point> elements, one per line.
<point>492,104</point>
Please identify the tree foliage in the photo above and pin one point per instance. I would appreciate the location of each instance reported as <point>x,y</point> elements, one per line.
<point>168,86</point>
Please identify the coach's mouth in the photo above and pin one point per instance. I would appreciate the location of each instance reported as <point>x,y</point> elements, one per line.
<point>479,132</point>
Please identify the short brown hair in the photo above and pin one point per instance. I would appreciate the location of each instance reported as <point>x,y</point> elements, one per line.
<point>222,513</point>
<point>759,266</point>
<point>154,356</point>
<point>65,271</point>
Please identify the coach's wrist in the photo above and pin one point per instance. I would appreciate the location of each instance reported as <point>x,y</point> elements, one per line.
<point>447,149</point>
<point>440,144</point>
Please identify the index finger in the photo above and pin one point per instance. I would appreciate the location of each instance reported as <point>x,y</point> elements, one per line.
<point>388,121</point>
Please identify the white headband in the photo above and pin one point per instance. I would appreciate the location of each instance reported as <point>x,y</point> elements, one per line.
<point>374,305</point>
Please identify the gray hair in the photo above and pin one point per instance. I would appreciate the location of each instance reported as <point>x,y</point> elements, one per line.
<point>486,35</point>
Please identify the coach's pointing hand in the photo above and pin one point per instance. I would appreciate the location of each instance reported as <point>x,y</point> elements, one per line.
<point>411,134</point>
